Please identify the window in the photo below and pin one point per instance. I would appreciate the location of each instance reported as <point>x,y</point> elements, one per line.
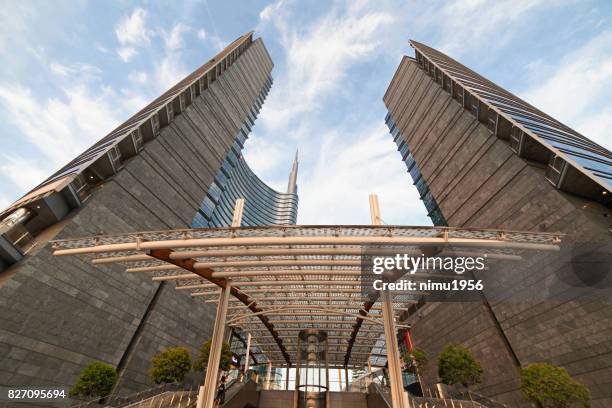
<point>516,135</point>
<point>421,186</point>
<point>556,165</point>
<point>437,218</point>
<point>492,120</point>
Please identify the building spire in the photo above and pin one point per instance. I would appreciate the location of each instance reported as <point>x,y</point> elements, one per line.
<point>292,185</point>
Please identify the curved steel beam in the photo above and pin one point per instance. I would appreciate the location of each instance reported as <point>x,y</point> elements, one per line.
<point>364,311</point>
<point>188,264</point>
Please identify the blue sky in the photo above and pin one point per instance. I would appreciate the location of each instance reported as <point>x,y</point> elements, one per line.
<point>72,70</point>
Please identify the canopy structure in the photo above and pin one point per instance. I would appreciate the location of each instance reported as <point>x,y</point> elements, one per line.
<point>285,279</point>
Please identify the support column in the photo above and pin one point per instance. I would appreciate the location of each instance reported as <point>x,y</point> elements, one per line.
<point>269,376</point>
<point>207,392</point>
<point>247,356</point>
<point>287,379</point>
<point>398,395</point>
<point>238,209</point>
<point>346,378</point>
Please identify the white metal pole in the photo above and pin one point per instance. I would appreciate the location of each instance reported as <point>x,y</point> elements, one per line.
<point>247,356</point>
<point>238,209</point>
<point>268,376</point>
<point>206,395</point>
<point>398,395</point>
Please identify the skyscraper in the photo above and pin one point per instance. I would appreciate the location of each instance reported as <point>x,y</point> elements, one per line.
<point>162,168</point>
<point>263,205</point>
<point>482,157</point>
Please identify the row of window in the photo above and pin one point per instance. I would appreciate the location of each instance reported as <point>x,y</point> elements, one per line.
<point>529,132</point>
<point>234,179</point>
<point>433,210</point>
<point>106,156</point>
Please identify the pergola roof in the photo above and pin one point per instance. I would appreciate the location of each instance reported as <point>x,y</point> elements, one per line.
<point>285,279</point>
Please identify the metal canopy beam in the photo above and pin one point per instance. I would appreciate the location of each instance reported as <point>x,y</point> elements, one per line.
<point>187,264</point>
<point>424,241</point>
<point>298,270</point>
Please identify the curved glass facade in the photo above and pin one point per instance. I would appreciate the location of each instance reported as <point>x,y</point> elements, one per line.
<point>433,211</point>
<point>235,179</point>
<point>263,205</point>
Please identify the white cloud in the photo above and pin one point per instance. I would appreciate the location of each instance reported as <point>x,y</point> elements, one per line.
<point>336,190</point>
<point>4,202</point>
<point>140,77</point>
<point>79,69</point>
<point>15,20</point>
<point>126,53</point>
<point>268,12</point>
<point>174,39</point>
<point>576,89</point>
<point>23,172</point>
<point>318,57</point>
<point>217,42</point>
<point>266,155</point>
<point>132,32</point>
<point>168,72</point>
<point>201,34</point>
<point>132,29</point>
<point>340,164</point>
<point>102,48</point>
<point>59,128</point>
<point>466,25</point>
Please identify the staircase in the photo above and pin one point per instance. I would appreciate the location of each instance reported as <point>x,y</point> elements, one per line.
<point>168,399</point>
<point>249,393</point>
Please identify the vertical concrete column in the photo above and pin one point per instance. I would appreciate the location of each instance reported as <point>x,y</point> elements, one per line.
<point>398,395</point>
<point>207,392</point>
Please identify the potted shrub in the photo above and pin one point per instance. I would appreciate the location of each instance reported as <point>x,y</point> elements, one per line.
<point>201,362</point>
<point>171,365</point>
<point>551,386</point>
<point>456,365</point>
<point>416,360</point>
<point>96,380</point>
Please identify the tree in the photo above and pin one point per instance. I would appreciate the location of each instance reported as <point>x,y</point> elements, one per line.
<point>96,380</point>
<point>456,365</point>
<point>202,361</point>
<point>170,365</point>
<point>416,360</point>
<point>551,386</point>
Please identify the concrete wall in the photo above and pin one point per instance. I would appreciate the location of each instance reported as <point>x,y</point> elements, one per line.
<point>59,314</point>
<point>479,182</point>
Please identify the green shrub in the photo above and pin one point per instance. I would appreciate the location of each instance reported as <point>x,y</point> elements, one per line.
<point>170,365</point>
<point>551,386</point>
<point>202,361</point>
<point>456,365</point>
<point>96,380</point>
<point>416,360</point>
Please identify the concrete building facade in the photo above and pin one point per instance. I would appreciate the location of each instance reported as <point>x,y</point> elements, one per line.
<point>151,173</point>
<point>481,157</point>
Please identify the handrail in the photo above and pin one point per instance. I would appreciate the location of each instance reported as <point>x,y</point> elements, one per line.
<point>383,394</point>
<point>123,401</point>
<point>481,399</point>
